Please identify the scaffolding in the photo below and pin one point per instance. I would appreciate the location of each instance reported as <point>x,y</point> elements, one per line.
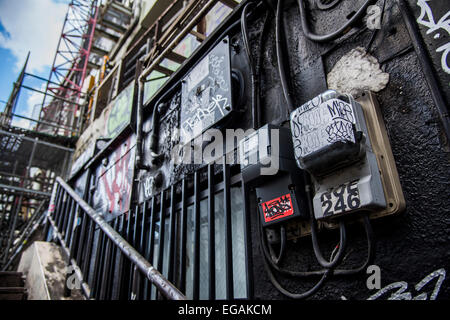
<point>28,167</point>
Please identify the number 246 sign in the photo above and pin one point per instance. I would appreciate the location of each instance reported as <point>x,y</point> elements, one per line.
<point>341,199</point>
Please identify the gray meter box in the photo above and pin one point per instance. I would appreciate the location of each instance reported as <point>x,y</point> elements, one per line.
<point>331,141</point>
<point>206,97</point>
<point>257,151</point>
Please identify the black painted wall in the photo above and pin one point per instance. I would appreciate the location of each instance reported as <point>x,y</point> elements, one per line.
<point>415,243</point>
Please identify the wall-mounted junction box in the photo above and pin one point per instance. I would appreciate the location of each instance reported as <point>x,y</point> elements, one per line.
<point>365,180</point>
<point>206,97</point>
<point>280,194</point>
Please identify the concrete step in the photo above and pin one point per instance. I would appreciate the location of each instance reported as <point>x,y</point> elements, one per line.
<point>44,265</point>
<point>12,279</point>
<point>13,293</point>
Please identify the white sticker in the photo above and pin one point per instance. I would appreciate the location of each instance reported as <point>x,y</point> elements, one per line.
<point>343,198</point>
<point>317,126</point>
<point>198,74</point>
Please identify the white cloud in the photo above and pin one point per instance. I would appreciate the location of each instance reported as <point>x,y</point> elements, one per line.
<point>32,26</point>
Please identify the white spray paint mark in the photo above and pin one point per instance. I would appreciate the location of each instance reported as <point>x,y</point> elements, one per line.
<point>400,288</point>
<point>427,19</point>
<point>373,17</point>
<point>357,71</point>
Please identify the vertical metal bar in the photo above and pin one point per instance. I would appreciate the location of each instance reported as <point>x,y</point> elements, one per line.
<point>143,224</point>
<point>227,226</point>
<point>80,249</point>
<point>73,228</point>
<point>142,246</point>
<point>84,218</point>
<point>171,234</point>
<point>67,215</point>
<point>136,242</point>
<point>30,162</point>
<point>62,212</point>
<point>106,270</point>
<point>211,233</point>
<point>150,246</point>
<point>111,268</point>
<point>71,246</point>
<point>161,233</point>
<point>248,240</point>
<point>182,275</point>
<point>196,275</point>
<point>97,263</point>
<point>88,251</point>
<point>129,266</point>
<point>54,208</point>
<point>120,263</point>
<point>136,276</point>
<point>136,227</point>
<point>5,204</point>
<point>80,230</point>
<point>67,222</point>
<point>51,209</point>
<point>13,227</point>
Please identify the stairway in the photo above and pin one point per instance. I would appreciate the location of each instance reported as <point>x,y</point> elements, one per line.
<point>12,286</point>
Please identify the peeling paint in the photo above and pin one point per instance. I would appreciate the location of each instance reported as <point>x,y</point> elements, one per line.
<point>357,71</point>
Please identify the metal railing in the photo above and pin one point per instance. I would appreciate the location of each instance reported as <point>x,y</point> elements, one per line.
<point>97,250</point>
<point>16,243</point>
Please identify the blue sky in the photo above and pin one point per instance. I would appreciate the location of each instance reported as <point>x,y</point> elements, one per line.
<point>28,25</point>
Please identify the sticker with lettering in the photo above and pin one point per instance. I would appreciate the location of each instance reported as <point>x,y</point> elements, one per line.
<point>343,198</point>
<point>277,208</point>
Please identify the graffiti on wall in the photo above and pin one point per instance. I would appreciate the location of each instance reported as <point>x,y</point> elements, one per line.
<point>120,113</point>
<point>426,289</point>
<point>428,20</point>
<point>206,93</point>
<point>114,181</point>
<point>399,290</point>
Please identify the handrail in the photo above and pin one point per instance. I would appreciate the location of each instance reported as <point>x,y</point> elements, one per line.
<point>32,225</point>
<point>163,285</point>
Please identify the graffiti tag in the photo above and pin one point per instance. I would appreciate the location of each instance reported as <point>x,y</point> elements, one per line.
<point>277,208</point>
<point>398,289</point>
<point>427,19</point>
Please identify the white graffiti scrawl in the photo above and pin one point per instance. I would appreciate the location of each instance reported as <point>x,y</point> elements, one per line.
<point>427,19</point>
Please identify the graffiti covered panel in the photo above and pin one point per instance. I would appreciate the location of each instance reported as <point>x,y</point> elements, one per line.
<point>114,179</point>
<point>120,113</point>
<point>206,93</point>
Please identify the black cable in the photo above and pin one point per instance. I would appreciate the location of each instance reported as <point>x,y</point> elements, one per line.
<point>266,253</point>
<point>253,78</point>
<point>279,32</point>
<point>337,272</point>
<point>326,6</point>
<point>370,251</point>
<point>375,32</point>
<point>336,34</point>
<point>259,63</point>
<point>297,296</point>
<point>342,246</point>
<point>314,237</point>
<point>283,239</point>
<point>268,263</point>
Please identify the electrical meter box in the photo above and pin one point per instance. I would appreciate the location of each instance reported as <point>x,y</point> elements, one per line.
<point>270,146</point>
<point>331,142</point>
<point>280,190</point>
<point>206,97</point>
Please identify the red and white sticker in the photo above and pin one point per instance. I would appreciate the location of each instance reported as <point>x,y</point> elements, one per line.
<point>277,208</point>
